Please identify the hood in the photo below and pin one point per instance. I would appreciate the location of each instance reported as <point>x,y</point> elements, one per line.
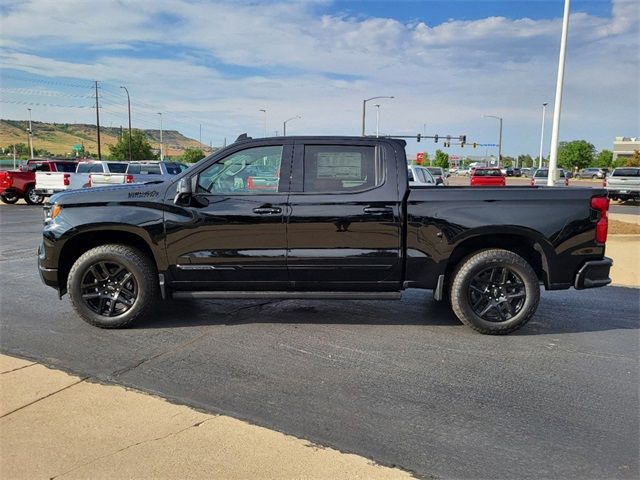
<point>117,193</point>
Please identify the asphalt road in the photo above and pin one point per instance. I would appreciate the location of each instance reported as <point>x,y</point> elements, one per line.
<point>400,382</point>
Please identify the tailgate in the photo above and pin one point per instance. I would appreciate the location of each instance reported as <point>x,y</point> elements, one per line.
<point>100,179</point>
<point>51,181</point>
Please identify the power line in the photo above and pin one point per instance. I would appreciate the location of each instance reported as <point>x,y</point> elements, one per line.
<point>47,82</point>
<point>39,104</point>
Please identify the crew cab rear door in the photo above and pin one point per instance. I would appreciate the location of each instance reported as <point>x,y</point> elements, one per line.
<point>344,223</point>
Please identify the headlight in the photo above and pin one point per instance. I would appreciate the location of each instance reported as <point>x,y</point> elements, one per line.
<point>51,212</point>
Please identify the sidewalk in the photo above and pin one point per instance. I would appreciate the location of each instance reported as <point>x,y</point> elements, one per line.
<point>54,425</point>
<point>625,252</point>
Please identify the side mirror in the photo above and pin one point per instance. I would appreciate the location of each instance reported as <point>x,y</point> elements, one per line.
<point>183,192</point>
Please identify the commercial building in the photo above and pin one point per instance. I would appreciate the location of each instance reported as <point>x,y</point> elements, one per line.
<point>623,147</point>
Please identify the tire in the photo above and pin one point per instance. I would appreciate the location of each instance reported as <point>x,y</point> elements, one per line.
<point>128,278</point>
<point>480,284</point>
<point>9,198</point>
<point>594,177</point>
<point>31,197</point>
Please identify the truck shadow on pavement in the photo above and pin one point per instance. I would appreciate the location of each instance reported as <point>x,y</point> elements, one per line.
<point>559,312</point>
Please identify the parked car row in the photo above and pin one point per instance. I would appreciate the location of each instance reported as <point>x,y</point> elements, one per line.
<point>40,178</point>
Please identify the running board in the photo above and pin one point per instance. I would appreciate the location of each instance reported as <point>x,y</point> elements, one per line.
<point>291,295</point>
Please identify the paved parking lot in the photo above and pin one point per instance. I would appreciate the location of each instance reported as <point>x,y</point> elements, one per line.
<point>400,382</point>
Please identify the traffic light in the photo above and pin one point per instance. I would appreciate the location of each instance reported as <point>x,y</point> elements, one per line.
<point>435,138</point>
<point>446,144</point>
<point>419,137</point>
<point>463,140</point>
<point>475,144</point>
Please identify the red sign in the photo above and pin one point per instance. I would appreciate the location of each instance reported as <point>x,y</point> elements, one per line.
<point>420,158</point>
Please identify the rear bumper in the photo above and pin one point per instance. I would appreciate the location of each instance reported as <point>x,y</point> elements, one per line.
<point>594,273</point>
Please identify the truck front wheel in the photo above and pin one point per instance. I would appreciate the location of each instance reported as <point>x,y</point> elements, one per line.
<point>494,291</point>
<point>110,286</point>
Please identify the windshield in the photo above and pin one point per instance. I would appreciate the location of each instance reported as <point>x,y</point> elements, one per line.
<point>435,170</point>
<point>117,167</point>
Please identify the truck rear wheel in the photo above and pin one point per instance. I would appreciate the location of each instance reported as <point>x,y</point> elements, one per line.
<point>494,291</point>
<point>31,197</point>
<point>111,286</point>
<point>9,198</point>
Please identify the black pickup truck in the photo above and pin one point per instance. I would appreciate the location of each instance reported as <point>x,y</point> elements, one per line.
<point>320,218</point>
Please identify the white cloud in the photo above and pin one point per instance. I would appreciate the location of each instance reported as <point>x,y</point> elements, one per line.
<point>445,75</point>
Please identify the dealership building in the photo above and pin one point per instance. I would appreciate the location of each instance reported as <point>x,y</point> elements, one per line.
<point>623,147</point>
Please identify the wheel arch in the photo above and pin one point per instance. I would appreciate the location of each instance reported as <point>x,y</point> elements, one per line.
<point>85,241</point>
<point>528,247</point>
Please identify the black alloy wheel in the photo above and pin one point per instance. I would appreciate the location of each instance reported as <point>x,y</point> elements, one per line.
<point>497,294</point>
<point>109,289</point>
<point>9,198</point>
<point>31,197</point>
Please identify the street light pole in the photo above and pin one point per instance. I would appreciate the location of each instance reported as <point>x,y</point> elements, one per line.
<point>161,146</point>
<point>284,125</point>
<point>555,132</point>
<point>364,110</point>
<point>377,120</point>
<point>500,138</point>
<point>129,109</point>
<point>264,110</point>
<point>544,110</point>
<point>30,135</point>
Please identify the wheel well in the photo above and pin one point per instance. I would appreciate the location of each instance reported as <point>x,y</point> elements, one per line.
<point>518,244</point>
<point>84,242</point>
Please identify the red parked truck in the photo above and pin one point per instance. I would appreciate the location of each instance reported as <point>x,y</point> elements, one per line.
<point>21,183</point>
<point>487,177</point>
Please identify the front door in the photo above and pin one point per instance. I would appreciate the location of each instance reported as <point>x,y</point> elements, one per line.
<point>233,235</point>
<point>344,225</point>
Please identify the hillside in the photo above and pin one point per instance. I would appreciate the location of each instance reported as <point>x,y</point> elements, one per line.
<point>58,138</point>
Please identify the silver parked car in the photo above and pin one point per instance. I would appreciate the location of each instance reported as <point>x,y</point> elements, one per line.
<point>542,174</point>
<point>420,176</point>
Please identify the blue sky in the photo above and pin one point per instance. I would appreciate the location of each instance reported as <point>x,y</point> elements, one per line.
<point>216,64</point>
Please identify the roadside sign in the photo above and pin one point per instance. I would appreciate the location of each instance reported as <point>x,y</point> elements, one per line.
<point>420,158</point>
<point>76,148</point>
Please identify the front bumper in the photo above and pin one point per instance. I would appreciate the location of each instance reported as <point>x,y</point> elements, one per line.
<point>594,273</point>
<point>49,276</point>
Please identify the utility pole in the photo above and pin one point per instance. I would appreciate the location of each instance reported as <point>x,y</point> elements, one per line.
<point>544,110</point>
<point>500,138</point>
<point>161,147</point>
<point>129,109</point>
<point>557,106</point>
<point>200,136</point>
<point>30,135</point>
<point>98,123</point>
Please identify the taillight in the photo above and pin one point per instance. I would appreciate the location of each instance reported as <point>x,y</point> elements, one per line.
<point>601,204</point>
<point>533,182</point>
<point>250,185</point>
<point>566,182</point>
<point>66,179</point>
<point>605,182</point>
<point>128,179</point>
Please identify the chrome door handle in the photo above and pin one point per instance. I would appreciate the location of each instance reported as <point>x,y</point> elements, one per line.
<point>378,210</point>
<point>267,210</point>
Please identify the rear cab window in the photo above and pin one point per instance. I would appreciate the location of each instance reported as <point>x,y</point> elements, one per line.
<point>65,167</point>
<point>626,172</point>
<point>117,167</point>
<point>487,172</point>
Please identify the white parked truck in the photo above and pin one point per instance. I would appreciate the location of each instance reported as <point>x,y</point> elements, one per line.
<point>48,183</point>
<point>137,172</point>
<point>624,183</point>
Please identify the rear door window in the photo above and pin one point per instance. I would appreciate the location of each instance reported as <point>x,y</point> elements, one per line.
<point>626,172</point>
<point>342,168</point>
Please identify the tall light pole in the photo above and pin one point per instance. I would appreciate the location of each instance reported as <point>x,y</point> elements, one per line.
<point>555,132</point>
<point>364,110</point>
<point>544,110</point>
<point>284,125</point>
<point>30,135</point>
<point>264,110</point>
<point>129,109</point>
<point>161,146</point>
<point>377,120</point>
<point>500,138</point>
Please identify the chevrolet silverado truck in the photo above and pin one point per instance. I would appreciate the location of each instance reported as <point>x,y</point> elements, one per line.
<point>137,172</point>
<point>624,184</point>
<point>21,183</point>
<point>341,222</point>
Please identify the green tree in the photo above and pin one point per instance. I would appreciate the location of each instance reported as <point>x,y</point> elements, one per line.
<point>576,154</point>
<point>192,155</point>
<point>441,159</point>
<point>526,161</point>
<point>140,147</point>
<point>508,161</point>
<point>604,159</point>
